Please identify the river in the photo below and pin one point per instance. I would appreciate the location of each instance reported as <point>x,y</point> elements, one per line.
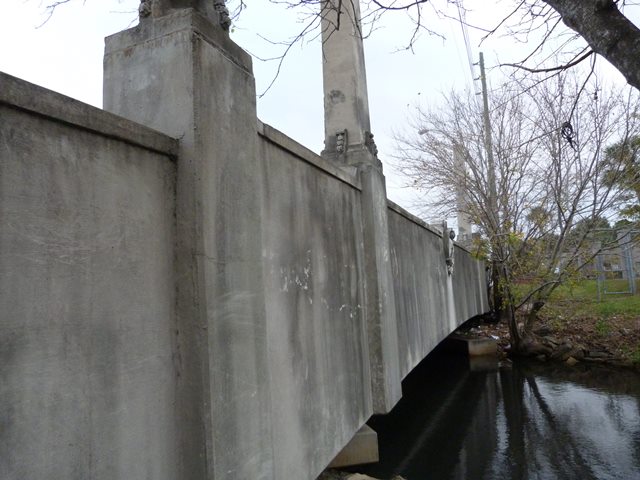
<point>519,421</point>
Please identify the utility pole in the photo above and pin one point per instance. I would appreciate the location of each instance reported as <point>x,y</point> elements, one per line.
<point>494,219</point>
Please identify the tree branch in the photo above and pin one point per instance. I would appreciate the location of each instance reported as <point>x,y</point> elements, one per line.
<point>551,69</point>
<point>607,31</point>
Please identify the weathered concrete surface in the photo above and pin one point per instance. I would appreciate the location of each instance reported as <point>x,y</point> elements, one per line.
<point>87,375</point>
<point>471,346</point>
<point>346,105</point>
<point>313,264</point>
<point>349,143</point>
<point>18,94</point>
<point>182,75</point>
<point>159,8</point>
<point>380,311</point>
<point>430,303</point>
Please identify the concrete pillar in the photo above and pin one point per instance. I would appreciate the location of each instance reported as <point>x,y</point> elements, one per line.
<point>346,105</point>
<point>380,307</point>
<point>349,142</point>
<point>181,74</point>
<point>464,224</point>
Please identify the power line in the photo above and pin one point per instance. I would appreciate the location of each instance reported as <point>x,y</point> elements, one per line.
<point>467,44</point>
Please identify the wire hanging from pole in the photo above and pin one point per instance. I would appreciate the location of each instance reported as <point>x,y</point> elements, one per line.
<point>467,44</point>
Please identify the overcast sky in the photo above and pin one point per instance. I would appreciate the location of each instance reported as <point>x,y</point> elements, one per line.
<point>65,55</point>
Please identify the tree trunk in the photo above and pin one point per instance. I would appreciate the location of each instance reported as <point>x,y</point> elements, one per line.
<point>607,31</point>
<point>497,296</point>
<point>514,334</point>
<point>532,316</point>
<point>504,305</point>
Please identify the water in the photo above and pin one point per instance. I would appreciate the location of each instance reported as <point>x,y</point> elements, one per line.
<point>525,421</point>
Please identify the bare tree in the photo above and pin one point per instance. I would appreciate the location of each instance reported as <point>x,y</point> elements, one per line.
<point>622,171</point>
<point>602,27</point>
<point>548,146</point>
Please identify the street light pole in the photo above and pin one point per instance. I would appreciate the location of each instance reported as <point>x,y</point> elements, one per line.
<point>488,145</point>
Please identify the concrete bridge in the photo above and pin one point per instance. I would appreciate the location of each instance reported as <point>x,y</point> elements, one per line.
<point>207,299</point>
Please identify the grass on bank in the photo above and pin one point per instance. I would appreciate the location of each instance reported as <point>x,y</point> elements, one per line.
<point>582,299</point>
<point>611,323</point>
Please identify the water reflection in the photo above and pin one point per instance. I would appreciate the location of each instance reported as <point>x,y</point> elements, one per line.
<point>524,422</point>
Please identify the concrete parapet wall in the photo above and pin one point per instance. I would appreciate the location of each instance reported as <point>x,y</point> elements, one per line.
<point>430,303</point>
<point>314,275</point>
<point>315,297</point>
<point>87,378</point>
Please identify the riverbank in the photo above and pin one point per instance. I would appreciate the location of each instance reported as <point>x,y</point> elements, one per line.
<point>562,336</point>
